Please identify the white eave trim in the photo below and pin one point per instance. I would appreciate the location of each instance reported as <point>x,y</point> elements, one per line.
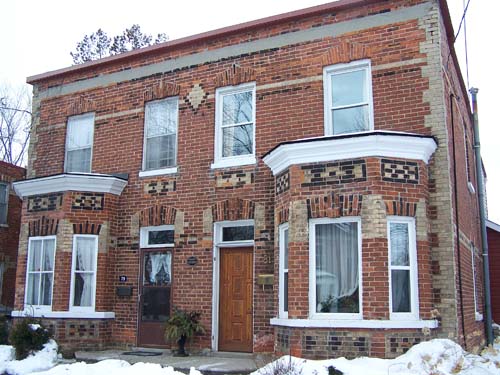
<point>64,314</point>
<point>337,323</point>
<point>96,183</point>
<point>490,224</point>
<point>366,144</point>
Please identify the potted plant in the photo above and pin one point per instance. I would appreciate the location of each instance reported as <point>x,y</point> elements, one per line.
<point>181,326</point>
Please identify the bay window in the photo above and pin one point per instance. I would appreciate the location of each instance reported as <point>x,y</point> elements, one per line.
<point>283,271</point>
<point>83,275</point>
<point>40,272</point>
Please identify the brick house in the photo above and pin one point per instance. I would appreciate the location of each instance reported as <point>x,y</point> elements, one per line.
<point>493,232</point>
<point>10,222</point>
<point>302,180</point>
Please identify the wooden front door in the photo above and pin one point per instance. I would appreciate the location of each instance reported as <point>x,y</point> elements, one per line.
<point>235,299</point>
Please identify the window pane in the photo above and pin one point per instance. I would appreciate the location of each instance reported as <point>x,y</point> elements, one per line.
<point>48,255</point>
<point>3,213</point>
<point>242,233</point>
<point>237,108</point>
<point>350,120</point>
<point>159,237</point>
<point>400,291</point>
<point>3,193</point>
<point>35,255</point>
<point>78,160</point>
<point>337,278</point>
<point>46,295</point>
<point>33,289</point>
<point>157,268</point>
<point>400,254</point>
<point>349,88</point>
<point>285,291</point>
<point>84,289</point>
<point>237,140</point>
<point>4,199</point>
<point>161,118</point>
<point>160,152</point>
<point>80,130</point>
<point>285,239</point>
<point>155,304</point>
<point>85,254</point>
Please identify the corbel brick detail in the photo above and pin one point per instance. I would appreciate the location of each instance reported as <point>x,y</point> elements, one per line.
<point>157,215</point>
<point>43,227</point>
<point>233,209</point>
<point>400,207</point>
<point>161,90</point>
<point>344,52</point>
<point>87,228</point>
<point>334,205</point>
<point>81,105</point>
<point>234,76</point>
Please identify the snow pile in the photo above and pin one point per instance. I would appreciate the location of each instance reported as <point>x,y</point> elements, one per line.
<point>437,357</point>
<point>40,361</point>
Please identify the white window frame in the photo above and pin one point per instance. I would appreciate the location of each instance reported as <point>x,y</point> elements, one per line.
<point>144,231</point>
<point>164,170</point>
<point>229,161</point>
<point>331,70</point>
<point>478,316</point>
<point>73,268</point>
<point>228,224</point>
<point>413,268</point>
<point>312,270</point>
<point>39,308</point>
<point>4,224</point>
<point>90,115</point>
<point>282,270</point>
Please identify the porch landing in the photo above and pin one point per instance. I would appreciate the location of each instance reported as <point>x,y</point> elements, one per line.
<point>209,364</point>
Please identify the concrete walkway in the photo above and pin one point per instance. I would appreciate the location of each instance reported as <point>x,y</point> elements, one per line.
<point>211,363</point>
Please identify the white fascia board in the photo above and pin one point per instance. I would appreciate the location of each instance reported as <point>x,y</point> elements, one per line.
<point>338,323</point>
<point>94,183</point>
<point>490,224</point>
<point>63,314</point>
<point>391,145</point>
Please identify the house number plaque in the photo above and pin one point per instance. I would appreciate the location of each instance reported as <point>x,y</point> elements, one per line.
<point>122,278</point>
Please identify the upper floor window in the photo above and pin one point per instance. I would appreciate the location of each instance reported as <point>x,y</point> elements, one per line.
<point>4,202</point>
<point>79,139</point>
<point>40,272</point>
<point>348,98</point>
<point>235,125</point>
<point>84,269</point>
<point>160,134</point>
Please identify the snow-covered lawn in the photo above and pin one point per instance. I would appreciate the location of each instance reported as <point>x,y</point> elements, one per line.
<point>436,357</point>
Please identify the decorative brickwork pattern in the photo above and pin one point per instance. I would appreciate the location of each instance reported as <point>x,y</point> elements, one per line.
<point>160,187</point>
<point>400,207</point>
<point>49,202</point>
<point>283,182</point>
<point>43,227</point>
<point>233,209</point>
<point>87,228</point>
<point>88,201</point>
<point>343,172</point>
<point>397,344</point>
<point>234,76</point>
<point>399,171</point>
<point>80,105</point>
<point>334,205</point>
<point>161,90</point>
<point>327,344</point>
<point>282,215</point>
<point>283,339</point>
<point>345,52</point>
<point>196,97</point>
<point>233,179</point>
<point>157,215</point>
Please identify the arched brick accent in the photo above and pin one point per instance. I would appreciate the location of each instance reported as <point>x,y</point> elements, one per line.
<point>233,209</point>
<point>161,90</point>
<point>334,205</point>
<point>157,215</point>
<point>234,76</point>
<point>87,228</point>
<point>400,207</point>
<point>344,52</point>
<point>43,227</point>
<point>81,105</point>
<point>282,215</point>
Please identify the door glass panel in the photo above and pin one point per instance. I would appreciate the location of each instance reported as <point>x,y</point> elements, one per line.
<point>157,268</point>
<point>155,304</point>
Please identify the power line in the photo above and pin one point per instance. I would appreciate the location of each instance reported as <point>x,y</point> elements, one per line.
<point>462,20</point>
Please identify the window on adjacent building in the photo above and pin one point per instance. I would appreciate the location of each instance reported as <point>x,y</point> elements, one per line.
<point>402,267</point>
<point>160,134</point>
<point>157,236</point>
<point>79,139</point>
<point>84,269</point>
<point>40,272</point>
<point>335,262</point>
<point>348,98</point>
<point>4,202</point>
<point>235,125</point>
<point>283,271</point>
<point>477,314</point>
<point>470,185</point>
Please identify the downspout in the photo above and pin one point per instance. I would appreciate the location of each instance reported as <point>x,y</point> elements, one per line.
<point>457,221</point>
<point>482,218</point>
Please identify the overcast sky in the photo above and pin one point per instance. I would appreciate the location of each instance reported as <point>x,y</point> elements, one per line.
<point>37,36</point>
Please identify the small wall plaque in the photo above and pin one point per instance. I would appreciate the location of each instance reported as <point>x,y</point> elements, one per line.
<point>123,279</point>
<point>124,291</point>
<point>192,261</point>
<point>266,279</point>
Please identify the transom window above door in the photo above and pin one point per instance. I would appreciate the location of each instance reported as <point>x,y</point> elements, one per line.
<point>157,236</point>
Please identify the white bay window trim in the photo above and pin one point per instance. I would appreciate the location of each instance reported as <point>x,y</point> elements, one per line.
<point>283,268</point>
<point>86,120</point>
<point>413,314</point>
<point>312,271</point>
<point>90,307</point>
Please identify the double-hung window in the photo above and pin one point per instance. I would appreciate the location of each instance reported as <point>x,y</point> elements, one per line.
<point>79,140</point>
<point>235,125</point>
<point>283,269</point>
<point>348,98</point>
<point>4,202</point>
<point>84,269</point>
<point>403,300</point>
<point>160,134</point>
<point>40,272</point>
<point>335,261</point>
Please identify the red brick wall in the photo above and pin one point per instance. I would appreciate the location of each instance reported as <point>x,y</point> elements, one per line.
<point>494,255</point>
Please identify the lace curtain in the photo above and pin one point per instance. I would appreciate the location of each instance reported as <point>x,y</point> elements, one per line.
<point>160,268</point>
<point>84,271</point>
<point>400,257</point>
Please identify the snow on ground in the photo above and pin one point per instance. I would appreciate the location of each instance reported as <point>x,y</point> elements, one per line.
<point>40,361</point>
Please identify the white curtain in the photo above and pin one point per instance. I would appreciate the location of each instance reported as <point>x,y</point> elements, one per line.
<point>159,261</point>
<point>336,264</point>
<point>400,257</point>
<point>85,252</point>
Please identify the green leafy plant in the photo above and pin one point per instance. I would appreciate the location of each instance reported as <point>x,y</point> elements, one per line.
<point>181,326</point>
<point>28,336</point>
<point>4,331</point>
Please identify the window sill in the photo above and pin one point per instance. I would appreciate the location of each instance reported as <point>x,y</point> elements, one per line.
<point>4,225</point>
<point>63,314</point>
<point>158,172</point>
<point>316,323</point>
<point>479,317</point>
<point>233,162</point>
